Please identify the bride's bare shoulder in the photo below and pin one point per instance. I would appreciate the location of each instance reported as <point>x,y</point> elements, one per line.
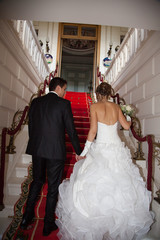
<point>114,104</point>
<point>96,105</point>
<point>93,106</point>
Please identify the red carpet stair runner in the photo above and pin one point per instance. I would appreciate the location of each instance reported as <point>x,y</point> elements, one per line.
<point>80,103</point>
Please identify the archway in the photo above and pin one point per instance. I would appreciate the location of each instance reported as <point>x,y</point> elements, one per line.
<point>78,56</point>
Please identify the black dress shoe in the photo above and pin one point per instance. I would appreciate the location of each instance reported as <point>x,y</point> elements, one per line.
<point>48,228</point>
<point>26,220</point>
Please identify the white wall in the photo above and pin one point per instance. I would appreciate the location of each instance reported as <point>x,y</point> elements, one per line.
<point>19,76</point>
<point>139,84</point>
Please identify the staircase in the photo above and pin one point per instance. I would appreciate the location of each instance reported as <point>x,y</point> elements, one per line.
<point>16,166</point>
<point>80,107</point>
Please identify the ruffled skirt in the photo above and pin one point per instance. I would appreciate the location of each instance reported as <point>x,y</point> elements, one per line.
<point>105,198</point>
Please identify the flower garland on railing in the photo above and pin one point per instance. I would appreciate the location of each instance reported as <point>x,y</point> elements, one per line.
<point>12,132</point>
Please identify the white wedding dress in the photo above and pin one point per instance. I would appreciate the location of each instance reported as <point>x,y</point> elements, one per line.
<point>105,198</point>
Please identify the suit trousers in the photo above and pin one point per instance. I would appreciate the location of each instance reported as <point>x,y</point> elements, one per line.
<point>55,168</point>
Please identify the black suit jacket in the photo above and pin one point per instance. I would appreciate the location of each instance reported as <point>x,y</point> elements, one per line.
<point>49,116</point>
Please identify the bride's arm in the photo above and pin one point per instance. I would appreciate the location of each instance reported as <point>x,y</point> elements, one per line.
<point>92,132</point>
<point>125,124</point>
<point>93,123</point>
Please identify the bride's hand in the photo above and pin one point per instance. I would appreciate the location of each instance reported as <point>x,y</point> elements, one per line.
<point>79,157</point>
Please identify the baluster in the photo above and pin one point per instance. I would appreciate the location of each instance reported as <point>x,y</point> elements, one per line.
<point>135,39</point>
<point>21,28</point>
<point>139,38</point>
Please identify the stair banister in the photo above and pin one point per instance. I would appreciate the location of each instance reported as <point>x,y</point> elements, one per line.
<point>99,75</point>
<point>28,37</point>
<point>131,43</point>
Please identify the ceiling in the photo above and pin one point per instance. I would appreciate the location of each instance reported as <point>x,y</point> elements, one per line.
<point>125,13</point>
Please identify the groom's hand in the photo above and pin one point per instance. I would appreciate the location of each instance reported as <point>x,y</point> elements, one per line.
<point>79,157</point>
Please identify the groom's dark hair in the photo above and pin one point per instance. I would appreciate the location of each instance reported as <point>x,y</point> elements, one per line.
<point>55,82</point>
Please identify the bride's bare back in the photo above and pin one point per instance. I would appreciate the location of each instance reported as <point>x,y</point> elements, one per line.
<point>105,112</point>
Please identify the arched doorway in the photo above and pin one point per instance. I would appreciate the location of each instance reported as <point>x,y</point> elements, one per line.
<point>77,54</point>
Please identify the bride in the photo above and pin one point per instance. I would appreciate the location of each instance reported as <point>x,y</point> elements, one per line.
<point>105,198</point>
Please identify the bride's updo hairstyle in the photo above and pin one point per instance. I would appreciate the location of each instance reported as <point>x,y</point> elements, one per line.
<point>103,91</point>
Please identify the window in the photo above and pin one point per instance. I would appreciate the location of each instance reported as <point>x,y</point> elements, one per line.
<point>70,30</point>
<point>88,31</point>
<point>79,31</point>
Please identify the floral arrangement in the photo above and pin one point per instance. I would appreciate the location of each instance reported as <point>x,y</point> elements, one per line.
<point>128,110</point>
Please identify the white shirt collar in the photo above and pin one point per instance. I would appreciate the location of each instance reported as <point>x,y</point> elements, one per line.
<point>54,92</point>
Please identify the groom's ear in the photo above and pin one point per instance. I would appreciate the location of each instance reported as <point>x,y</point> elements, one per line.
<point>58,89</point>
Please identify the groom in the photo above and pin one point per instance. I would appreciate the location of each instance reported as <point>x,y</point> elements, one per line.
<point>49,116</point>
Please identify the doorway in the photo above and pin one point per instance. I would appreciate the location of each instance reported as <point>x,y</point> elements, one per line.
<point>78,56</point>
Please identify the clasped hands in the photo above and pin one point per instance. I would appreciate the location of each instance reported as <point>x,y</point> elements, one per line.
<point>78,157</point>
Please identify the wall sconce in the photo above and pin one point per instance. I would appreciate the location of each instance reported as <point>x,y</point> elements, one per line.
<point>116,48</point>
<point>41,43</point>
<point>107,60</point>
<point>47,46</point>
<point>110,50</point>
<point>49,57</point>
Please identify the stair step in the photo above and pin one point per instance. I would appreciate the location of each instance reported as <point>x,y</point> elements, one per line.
<point>80,110</point>
<point>81,119</point>
<point>14,185</point>
<point>21,170</point>
<point>26,159</point>
<point>73,95</point>
<point>76,100</point>
<point>10,201</point>
<point>80,113</point>
<point>82,131</point>
<point>80,106</point>
<point>82,124</point>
